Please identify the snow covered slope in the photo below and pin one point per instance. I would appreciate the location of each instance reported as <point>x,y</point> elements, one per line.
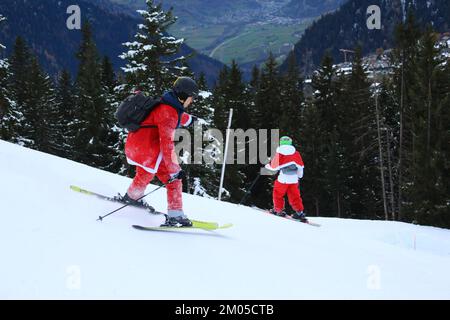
<point>52,246</point>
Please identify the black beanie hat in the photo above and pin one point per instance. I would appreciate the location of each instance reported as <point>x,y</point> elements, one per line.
<point>185,87</point>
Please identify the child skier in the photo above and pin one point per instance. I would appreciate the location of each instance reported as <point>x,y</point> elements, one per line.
<point>151,149</point>
<point>290,164</point>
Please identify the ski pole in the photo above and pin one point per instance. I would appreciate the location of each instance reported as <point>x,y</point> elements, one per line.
<point>250,189</point>
<point>100,218</point>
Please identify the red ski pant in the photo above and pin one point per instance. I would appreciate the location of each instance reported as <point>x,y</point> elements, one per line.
<point>143,178</point>
<point>293,193</point>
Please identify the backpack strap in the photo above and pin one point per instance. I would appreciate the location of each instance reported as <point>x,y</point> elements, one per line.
<point>180,113</point>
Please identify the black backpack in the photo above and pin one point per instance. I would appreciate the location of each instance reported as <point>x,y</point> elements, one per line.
<point>134,109</point>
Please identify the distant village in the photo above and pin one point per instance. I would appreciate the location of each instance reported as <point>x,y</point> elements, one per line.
<point>377,64</point>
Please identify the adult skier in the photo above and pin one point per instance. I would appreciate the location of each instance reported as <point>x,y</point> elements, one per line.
<point>290,164</point>
<point>151,149</point>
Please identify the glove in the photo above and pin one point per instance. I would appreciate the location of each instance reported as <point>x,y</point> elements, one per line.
<point>177,176</point>
<point>193,119</point>
<point>300,173</point>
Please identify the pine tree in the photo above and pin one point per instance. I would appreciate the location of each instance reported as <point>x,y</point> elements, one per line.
<point>360,153</point>
<point>237,97</point>
<point>4,74</point>
<point>404,59</point>
<point>108,76</point>
<point>38,110</point>
<point>65,108</point>
<point>116,134</point>
<point>5,102</point>
<point>254,81</point>
<point>388,108</point>
<point>252,171</point>
<point>95,139</point>
<point>252,90</point>
<point>442,158</point>
<point>428,194</point>
<point>231,93</point>
<point>311,153</point>
<point>292,101</point>
<point>152,65</point>
<point>7,105</point>
<point>329,147</point>
<point>202,178</point>
<point>268,100</point>
<point>20,63</point>
<point>268,103</point>
<point>220,117</point>
<point>324,92</point>
<point>291,120</point>
<point>202,107</point>
<point>33,93</point>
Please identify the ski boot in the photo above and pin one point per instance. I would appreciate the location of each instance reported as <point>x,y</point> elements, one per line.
<point>282,213</point>
<point>176,218</point>
<point>300,216</point>
<point>135,203</point>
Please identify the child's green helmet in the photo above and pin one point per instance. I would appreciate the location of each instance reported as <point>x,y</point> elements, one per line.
<point>285,141</point>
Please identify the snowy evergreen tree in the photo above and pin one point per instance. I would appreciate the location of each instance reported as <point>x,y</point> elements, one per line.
<point>202,178</point>
<point>231,92</point>
<point>39,110</point>
<point>265,89</point>
<point>4,74</point>
<point>310,143</point>
<point>328,144</point>
<point>254,197</point>
<point>388,110</point>
<point>358,136</point>
<point>404,60</point>
<point>95,139</point>
<point>33,94</point>
<point>108,76</point>
<point>202,107</point>
<point>65,107</point>
<point>20,62</point>
<point>428,194</point>
<point>238,98</point>
<point>292,101</point>
<point>220,118</point>
<point>268,98</point>
<point>254,81</point>
<point>32,113</point>
<point>152,62</point>
<point>109,83</point>
<point>7,105</point>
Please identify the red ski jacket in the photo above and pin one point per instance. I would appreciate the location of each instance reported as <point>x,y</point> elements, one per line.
<point>149,147</point>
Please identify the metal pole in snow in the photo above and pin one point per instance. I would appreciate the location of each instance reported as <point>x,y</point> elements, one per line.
<point>225,154</point>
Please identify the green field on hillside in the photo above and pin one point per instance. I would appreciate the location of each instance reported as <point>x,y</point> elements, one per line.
<point>245,43</point>
<point>199,38</point>
<point>254,42</point>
